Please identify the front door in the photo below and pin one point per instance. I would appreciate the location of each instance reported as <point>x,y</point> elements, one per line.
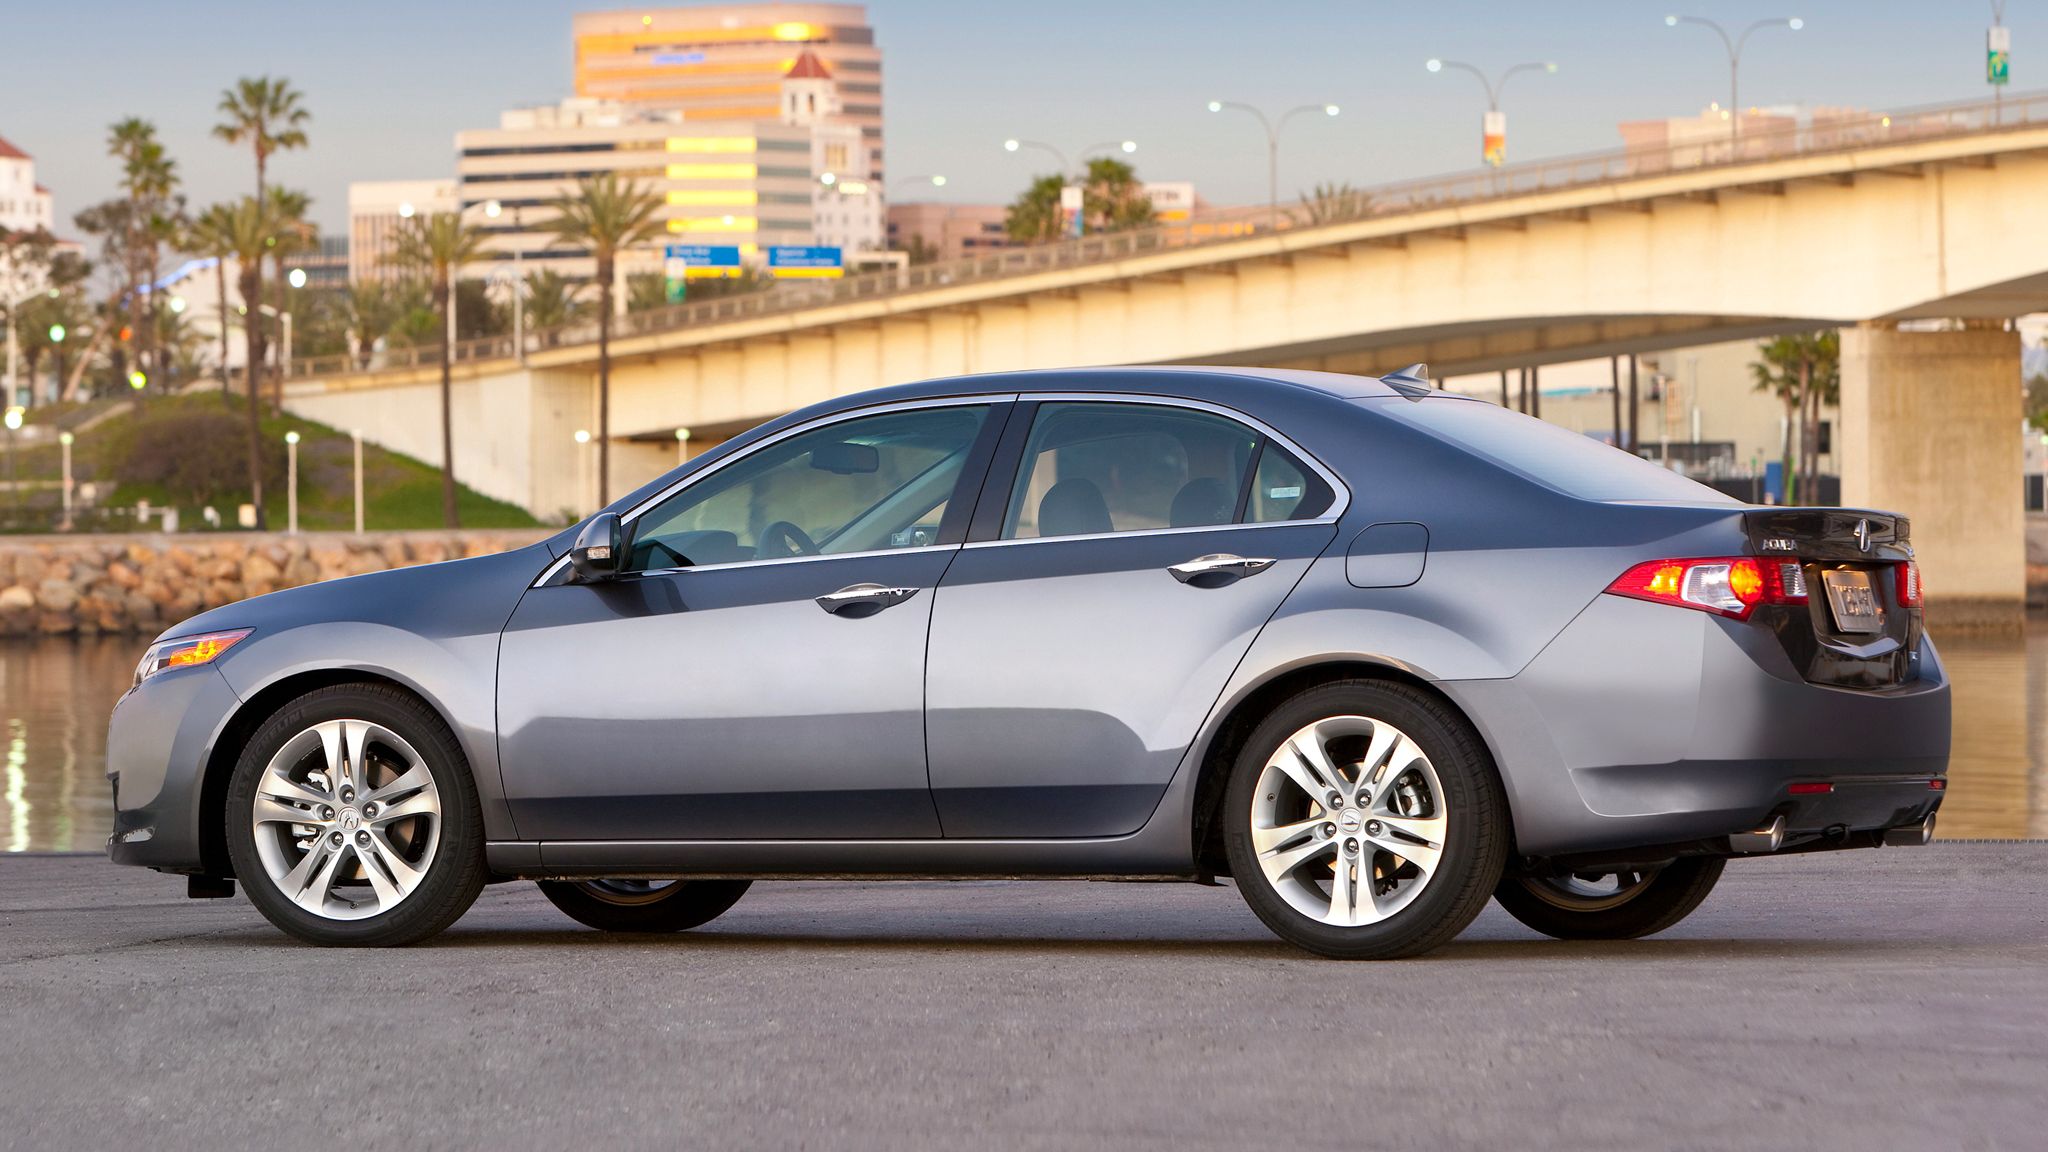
<point>1091,622</point>
<point>758,673</point>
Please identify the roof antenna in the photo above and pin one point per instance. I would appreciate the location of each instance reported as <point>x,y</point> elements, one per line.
<point>1412,381</point>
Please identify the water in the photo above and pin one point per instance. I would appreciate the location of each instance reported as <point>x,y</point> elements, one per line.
<point>55,695</point>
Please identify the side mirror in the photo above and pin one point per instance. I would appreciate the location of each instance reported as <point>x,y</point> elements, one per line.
<point>598,550</point>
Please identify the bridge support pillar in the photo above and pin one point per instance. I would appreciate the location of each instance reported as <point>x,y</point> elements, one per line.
<point>1931,427</point>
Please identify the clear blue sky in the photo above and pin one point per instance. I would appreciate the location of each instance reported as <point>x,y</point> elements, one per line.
<point>390,83</point>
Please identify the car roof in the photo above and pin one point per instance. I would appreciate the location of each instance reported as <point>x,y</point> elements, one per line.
<point>1217,383</point>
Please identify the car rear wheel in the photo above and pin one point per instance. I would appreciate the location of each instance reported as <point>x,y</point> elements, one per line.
<point>352,819</point>
<point>1620,905</point>
<point>644,905</point>
<point>1365,821</point>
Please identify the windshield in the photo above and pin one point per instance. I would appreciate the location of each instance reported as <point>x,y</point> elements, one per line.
<point>1567,461</point>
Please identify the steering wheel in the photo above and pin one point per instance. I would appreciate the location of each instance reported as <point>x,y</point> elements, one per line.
<point>783,539</point>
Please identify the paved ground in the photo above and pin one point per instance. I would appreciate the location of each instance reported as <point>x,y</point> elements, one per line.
<point>1887,999</point>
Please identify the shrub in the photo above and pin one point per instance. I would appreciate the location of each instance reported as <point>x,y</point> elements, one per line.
<point>197,457</point>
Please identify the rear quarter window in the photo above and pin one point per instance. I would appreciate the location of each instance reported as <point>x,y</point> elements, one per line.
<point>1576,465</point>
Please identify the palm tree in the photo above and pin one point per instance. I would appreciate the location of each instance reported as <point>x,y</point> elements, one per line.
<point>1804,372</point>
<point>211,233</point>
<point>371,309</point>
<point>551,300</point>
<point>149,177</point>
<point>439,245</point>
<point>1330,202</point>
<point>295,234</point>
<point>1113,201</point>
<point>250,233</point>
<point>606,215</point>
<point>265,112</point>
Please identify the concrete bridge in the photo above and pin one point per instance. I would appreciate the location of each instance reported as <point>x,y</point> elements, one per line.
<point>1919,233</point>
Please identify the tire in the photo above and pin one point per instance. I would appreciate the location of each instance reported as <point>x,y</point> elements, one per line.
<point>1411,775</point>
<point>388,805</point>
<point>627,906</point>
<point>1584,908</point>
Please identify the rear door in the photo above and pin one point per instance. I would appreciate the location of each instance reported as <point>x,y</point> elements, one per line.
<point>1124,555</point>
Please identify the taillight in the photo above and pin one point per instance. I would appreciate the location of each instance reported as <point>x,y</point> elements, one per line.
<point>1726,585</point>
<point>1909,584</point>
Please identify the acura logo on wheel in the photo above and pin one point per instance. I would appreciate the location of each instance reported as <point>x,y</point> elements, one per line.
<point>350,820</point>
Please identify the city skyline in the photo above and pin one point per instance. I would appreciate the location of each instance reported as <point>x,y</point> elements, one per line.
<point>952,99</point>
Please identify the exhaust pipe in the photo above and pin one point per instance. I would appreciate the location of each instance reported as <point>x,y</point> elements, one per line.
<point>1764,839</point>
<point>1910,835</point>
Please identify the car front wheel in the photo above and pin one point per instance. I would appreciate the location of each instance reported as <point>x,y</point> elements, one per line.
<point>1618,905</point>
<point>644,905</point>
<point>352,819</point>
<point>1365,821</point>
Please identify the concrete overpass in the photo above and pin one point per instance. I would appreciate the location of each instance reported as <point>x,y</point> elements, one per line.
<point>1883,225</point>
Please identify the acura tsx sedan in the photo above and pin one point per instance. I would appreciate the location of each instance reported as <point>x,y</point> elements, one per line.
<point>1372,651</point>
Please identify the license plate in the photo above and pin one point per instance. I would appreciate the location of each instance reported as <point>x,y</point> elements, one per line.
<point>1853,602</point>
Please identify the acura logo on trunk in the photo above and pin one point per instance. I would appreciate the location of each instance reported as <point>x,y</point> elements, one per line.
<point>1863,535</point>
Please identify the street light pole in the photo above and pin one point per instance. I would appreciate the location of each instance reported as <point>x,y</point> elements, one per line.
<point>1273,129</point>
<point>291,483</point>
<point>1735,46</point>
<point>357,436</point>
<point>64,441</point>
<point>1493,90</point>
<point>494,209</point>
<point>13,422</point>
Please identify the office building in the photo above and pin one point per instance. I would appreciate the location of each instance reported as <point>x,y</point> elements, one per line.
<point>949,231</point>
<point>377,209</point>
<point>728,61</point>
<point>24,204</point>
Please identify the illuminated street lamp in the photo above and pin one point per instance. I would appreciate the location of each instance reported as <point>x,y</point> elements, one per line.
<point>932,181</point>
<point>1734,46</point>
<point>682,445</point>
<point>296,278</point>
<point>64,442</point>
<point>291,483</point>
<point>1493,149</point>
<point>1273,129</point>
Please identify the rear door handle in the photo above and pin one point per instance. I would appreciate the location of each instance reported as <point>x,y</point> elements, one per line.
<point>863,599</point>
<point>1219,567</point>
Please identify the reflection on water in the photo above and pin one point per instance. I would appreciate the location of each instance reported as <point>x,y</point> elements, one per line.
<point>55,695</point>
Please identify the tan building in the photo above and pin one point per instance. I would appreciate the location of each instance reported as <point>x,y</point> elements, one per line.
<point>377,209</point>
<point>727,61</point>
<point>952,230</point>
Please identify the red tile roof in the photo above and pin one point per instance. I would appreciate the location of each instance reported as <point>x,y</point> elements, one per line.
<point>10,152</point>
<point>808,67</point>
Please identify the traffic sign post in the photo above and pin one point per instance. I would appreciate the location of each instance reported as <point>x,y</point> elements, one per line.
<point>1998,56</point>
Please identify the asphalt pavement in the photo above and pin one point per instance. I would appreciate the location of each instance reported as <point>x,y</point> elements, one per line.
<point>1883,999</point>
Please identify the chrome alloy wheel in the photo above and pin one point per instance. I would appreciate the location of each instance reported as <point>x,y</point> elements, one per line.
<point>1587,891</point>
<point>347,818</point>
<point>1348,821</point>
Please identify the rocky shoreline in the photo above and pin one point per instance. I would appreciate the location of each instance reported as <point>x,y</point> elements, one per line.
<point>85,585</point>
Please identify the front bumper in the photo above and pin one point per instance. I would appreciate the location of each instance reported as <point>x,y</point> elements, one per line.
<point>158,741</point>
<point>1645,725</point>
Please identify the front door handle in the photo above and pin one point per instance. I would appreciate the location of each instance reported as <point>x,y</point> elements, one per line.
<point>1218,568</point>
<point>863,599</point>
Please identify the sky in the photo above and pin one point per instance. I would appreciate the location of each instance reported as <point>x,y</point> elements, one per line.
<point>390,83</point>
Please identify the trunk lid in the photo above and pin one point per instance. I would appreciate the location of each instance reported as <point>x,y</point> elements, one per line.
<point>1855,630</point>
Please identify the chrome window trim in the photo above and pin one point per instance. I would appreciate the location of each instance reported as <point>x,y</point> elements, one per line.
<point>1340,493</point>
<point>779,560</point>
<point>635,512</point>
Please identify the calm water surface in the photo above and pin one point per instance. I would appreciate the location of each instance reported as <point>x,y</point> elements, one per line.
<point>55,696</point>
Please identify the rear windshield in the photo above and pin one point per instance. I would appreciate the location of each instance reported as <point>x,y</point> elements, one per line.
<point>1567,461</point>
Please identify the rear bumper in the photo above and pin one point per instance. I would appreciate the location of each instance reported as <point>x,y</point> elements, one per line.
<point>1645,725</point>
<point>157,745</point>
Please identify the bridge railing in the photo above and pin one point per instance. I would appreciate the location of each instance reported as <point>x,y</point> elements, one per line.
<point>1824,132</point>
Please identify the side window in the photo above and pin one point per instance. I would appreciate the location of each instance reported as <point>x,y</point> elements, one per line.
<point>1097,466</point>
<point>1282,489</point>
<point>860,485</point>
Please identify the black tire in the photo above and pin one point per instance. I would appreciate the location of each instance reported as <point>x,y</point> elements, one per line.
<point>1656,902</point>
<point>1475,839</point>
<point>616,906</point>
<point>454,873</point>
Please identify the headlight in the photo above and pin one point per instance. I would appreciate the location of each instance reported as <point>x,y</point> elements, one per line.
<point>186,652</point>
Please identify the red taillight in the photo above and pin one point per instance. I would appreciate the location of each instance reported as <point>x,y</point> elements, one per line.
<point>1909,584</point>
<point>1819,788</point>
<point>1726,585</point>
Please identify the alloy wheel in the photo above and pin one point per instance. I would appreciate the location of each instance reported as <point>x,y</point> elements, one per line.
<point>347,819</point>
<point>1348,821</point>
